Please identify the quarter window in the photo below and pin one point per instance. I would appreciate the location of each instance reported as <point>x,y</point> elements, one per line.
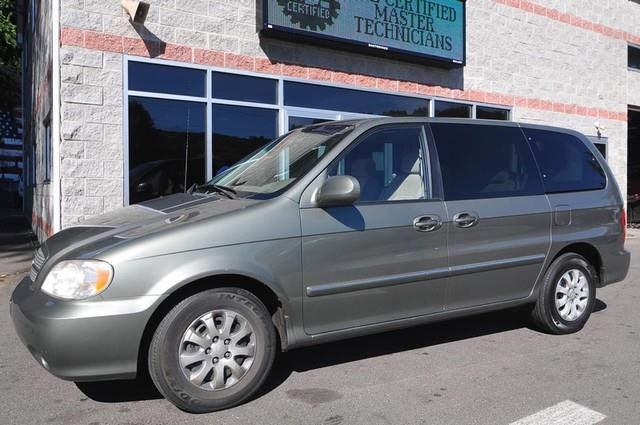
<point>566,164</point>
<point>485,161</point>
<point>389,165</point>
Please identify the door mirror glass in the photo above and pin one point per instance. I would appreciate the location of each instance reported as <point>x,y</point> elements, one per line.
<point>338,191</point>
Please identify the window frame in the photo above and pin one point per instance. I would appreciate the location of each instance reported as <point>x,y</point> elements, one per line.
<point>425,163</point>
<point>283,110</point>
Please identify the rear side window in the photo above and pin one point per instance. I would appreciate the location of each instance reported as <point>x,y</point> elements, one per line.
<point>566,164</point>
<point>485,161</point>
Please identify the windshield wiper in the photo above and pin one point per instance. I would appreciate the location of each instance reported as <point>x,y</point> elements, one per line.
<point>212,187</point>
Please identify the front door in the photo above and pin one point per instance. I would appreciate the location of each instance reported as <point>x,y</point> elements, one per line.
<point>498,219</point>
<point>383,258</point>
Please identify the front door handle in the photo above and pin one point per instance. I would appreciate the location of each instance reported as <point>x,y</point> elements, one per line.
<point>427,223</point>
<point>465,219</point>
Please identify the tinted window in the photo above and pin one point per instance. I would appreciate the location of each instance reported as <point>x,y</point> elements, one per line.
<point>451,109</point>
<point>485,161</point>
<point>634,57</point>
<point>489,113</point>
<point>297,122</point>
<point>244,88</point>
<point>166,79</point>
<point>388,165</point>
<point>566,164</point>
<point>339,99</point>
<point>238,131</point>
<point>165,138</point>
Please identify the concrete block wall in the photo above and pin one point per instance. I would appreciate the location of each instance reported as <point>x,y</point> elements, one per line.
<point>91,140</point>
<point>558,62</point>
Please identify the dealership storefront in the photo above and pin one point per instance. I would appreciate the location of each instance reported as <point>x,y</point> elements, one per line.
<point>139,110</point>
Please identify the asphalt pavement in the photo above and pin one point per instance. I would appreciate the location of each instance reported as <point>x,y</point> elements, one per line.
<point>487,369</point>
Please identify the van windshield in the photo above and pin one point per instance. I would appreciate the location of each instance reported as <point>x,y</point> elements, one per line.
<point>270,170</point>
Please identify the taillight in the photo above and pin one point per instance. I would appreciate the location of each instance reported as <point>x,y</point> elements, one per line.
<point>623,223</point>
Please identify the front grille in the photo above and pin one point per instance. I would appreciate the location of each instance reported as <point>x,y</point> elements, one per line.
<point>39,259</point>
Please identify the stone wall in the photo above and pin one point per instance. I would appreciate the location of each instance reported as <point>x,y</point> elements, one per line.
<point>557,62</point>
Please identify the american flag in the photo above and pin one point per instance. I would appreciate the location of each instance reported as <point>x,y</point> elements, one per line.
<point>8,128</point>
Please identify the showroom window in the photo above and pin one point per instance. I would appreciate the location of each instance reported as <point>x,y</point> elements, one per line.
<point>187,124</point>
<point>452,109</point>
<point>634,57</point>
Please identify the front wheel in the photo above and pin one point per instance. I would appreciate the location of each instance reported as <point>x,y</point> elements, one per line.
<point>567,295</point>
<point>213,350</point>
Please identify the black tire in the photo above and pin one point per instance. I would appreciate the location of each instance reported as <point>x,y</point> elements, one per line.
<point>545,313</point>
<point>164,365</point>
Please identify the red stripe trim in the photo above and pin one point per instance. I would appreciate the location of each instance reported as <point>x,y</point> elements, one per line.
<point>137,47</point>
<point>572,20</point>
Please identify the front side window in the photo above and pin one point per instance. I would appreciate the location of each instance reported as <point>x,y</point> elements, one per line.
<point>485,161</point>
<point>279,164</point>
<point>388,165</point>
<point>566,164</point>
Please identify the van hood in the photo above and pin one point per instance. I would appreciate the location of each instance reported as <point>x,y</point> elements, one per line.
<point>134,221</point>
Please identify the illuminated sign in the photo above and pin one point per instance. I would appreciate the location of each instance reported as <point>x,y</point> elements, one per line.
<point>431,29</point>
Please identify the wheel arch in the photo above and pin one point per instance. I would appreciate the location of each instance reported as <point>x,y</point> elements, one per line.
<point>272,301</point>
<point>588,251</point>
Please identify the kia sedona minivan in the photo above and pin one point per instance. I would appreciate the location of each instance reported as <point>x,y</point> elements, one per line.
<point>332,231</point>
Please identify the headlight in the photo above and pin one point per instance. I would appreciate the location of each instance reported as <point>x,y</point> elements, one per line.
<point>78,279</point>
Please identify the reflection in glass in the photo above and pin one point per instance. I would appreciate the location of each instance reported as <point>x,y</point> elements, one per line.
<point>152,77</point>
<point>452,109</point>
<point>238,131</point>
<point>340,99</point>
<point>489,113</point>
<point>166,137</point>
<point>297,122</point>
<point>243,88</point>
<point>272,169</point>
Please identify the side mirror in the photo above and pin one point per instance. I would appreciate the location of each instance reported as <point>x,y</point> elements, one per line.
<point>338,191</point>
<point>143,187</point>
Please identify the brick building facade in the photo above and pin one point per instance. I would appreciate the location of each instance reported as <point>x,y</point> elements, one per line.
<point>555,62</point>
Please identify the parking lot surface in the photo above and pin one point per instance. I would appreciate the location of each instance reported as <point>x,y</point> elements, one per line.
<point>488,369</point>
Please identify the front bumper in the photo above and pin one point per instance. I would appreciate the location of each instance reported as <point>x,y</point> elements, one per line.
<point>81,340</point>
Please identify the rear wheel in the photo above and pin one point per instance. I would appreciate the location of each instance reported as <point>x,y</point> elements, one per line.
<point>213,350</point>
<point>567,295</point>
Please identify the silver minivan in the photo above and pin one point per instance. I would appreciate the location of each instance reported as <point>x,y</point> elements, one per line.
<point>332,231</point>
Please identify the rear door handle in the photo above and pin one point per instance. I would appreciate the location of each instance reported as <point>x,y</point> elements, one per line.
<point>427,223</point>
<point>465,219</point>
